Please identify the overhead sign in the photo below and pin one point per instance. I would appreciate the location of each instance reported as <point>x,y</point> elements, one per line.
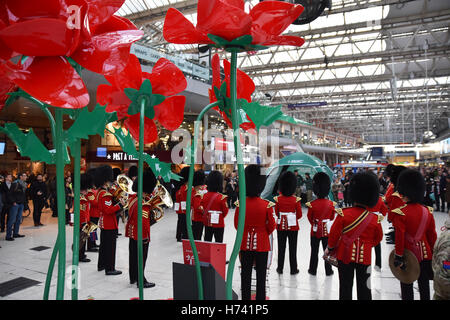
<point>152,55</point>
<point>307,104</point>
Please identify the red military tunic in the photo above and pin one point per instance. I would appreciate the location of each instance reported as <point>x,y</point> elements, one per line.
<point>320,211</point>
<point>389,192</point>
<point>93,207</point>
<point>180,199</point>
<point>379,207</point>
<point>197,209</point>
<point>354,234</point>
<point>214,203</point>
<point>395,201</point>
<point>415,230</point>
<point>84,210</point>
<point>108,219</point>
<point>259,224</point>
<point>285,206</point>
<point>131,230</point>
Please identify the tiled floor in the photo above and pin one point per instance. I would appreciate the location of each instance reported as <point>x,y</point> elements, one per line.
<point>17,260</point>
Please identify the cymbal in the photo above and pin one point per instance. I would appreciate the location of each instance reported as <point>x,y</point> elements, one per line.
<point>412,271</point>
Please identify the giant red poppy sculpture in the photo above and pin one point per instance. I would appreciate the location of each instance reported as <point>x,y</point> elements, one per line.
<point>44,45</point>
<point>52,36</point>
<point>160,87</point>
<point>224,24</point>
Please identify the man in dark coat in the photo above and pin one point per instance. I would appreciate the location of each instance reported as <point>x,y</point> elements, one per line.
<point>38,193</point>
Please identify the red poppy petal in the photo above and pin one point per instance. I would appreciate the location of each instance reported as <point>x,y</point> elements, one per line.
<point>166,78</point>
<point>114,23</point>
<point>271,18</point>
<point>215,66</point>
<point>212,97</point>
<point>130,77</point>
<point>99,11</point>
<point>5,87</point>
<point>237,3</point>
<point>245,85</point>
<point>21,10</point>
<point>40,37</point>
<point>107,53</point>
<point>178,29</point>
<point>51,80</point>
<point>222,19</point>
<point>114,98</point>
<point>170,113</point>
<point>286,41</point>
<point>150,130</point>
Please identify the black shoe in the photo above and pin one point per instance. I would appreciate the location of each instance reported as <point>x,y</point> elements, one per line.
<point>9,239</point>
<point>113,273</point>
<point>133,281</point>
<point>100,269</point>
<point>311,273</point>
<point>330,274</point>
<point>85,259</point>
<point>295,271</point>
<point>279,271</point>
<point>119,234</point>
<point>41,224</point>
<point>18,236</point>
<point>148,284</point>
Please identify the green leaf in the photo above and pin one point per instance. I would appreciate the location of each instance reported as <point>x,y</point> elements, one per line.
<point>28,143</point>
<point>261,115</point>
<point>242,41</point>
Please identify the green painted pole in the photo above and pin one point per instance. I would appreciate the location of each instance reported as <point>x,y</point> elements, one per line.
<point>60,193</point>
<point>140,189</point>
<point>76,219</point>
<point>189,195</point>
<point>48,278</point>
<point>241,173</point>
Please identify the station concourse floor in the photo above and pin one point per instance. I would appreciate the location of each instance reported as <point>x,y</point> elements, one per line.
<point>18,260</point>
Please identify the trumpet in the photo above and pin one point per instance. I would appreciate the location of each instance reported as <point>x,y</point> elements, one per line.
<point>160,196</point>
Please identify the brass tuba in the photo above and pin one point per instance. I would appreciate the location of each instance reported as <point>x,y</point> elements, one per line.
<point>160,196</point>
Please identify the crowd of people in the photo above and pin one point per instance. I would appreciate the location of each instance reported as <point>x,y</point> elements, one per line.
<point>347,227</point>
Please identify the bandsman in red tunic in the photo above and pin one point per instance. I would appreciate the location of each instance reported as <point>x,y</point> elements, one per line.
<point>288,210</point>
<point>381,210</point>
<point>108,208</point>
<point>259,224</point>
<point>113,188</point>
<point>393,201</point>
<point>197,209</point>
<point>131,228</point>
<point>215,207</point>
<point>85,184</point>
<point>353,235</point>
<point>415,230</point>
<point>94,214</point>
<point>320,214</point>
<point>180,205</point>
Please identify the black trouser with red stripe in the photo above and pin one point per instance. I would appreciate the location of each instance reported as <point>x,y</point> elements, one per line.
<point>346,274</point>
<point>426,274</point>
<point>248,258</point>
<point>314,259</point>
<point>197,229</point>
<point>107,250</point>
<point>217,232</point>
<point>133,259</point>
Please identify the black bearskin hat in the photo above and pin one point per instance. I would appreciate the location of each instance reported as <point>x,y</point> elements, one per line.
<point>214,181</point>
<point>132,172</point>
<point>184,174</point>
<point>199,178</point>
<point>395,174</point>
<point>85,181</point>
<point>103,174</point>
<point>254,180</point>
<point>364,189</point>
<point>116,172</point>
<point>389,168</point>
<point>91,173</point>
<point>287,183</point>
<point>411,184</point>
<point>321,185</point>
<point>148,182</point>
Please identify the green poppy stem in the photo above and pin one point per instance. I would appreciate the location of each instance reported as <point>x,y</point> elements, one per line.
<point>139,194</point>
<point>48,278</point>
<point>189,195</point>
<point>60,193</point>
<point>241,173</point>
<point>76,152</point>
